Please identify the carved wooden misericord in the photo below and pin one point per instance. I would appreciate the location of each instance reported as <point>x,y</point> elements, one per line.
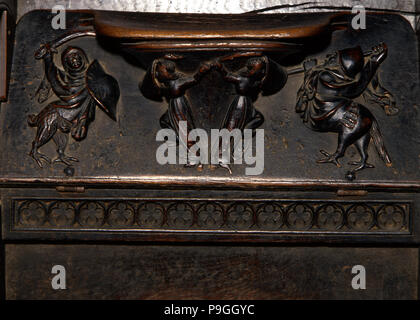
<point>149,72</point>
<point>310,82</point>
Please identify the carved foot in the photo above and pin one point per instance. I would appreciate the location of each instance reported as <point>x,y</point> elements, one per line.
<point>391,110</point>
<point>329,158</point>
<point>361,165</point>
<point>39,157</point>
<point>190,165</point>
<point>199,166</point>
<point>66,160</point>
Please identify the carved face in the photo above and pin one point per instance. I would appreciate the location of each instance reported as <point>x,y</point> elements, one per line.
<point>256,67</point>
<point>332,62</point>
<point>74,59</point>
<point>331,59</point>
<point>165,71</point>
<point>351,60</point>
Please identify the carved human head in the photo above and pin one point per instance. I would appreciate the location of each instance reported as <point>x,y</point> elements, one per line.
<point>74,59</point>
<point>256,67</point>
<point>165,70</point>
<point>351,60</point>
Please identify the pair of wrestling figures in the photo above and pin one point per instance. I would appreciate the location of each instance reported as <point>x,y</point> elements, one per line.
<point>325,99</point>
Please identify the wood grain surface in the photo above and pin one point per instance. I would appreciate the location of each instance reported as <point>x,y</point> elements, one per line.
<point>209,272</point>
<point>219,6</point>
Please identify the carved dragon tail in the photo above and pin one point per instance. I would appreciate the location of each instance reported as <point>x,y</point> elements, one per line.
<point>33,120</point>
<point>379,143</point>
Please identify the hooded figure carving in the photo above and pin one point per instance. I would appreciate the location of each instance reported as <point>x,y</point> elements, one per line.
<point>325,101</point>
<point>79,88</point>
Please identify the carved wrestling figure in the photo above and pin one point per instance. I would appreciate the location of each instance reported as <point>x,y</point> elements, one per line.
<point>326,102</point>
<point>163,80</point>
<point>80,87</point>
<point>249,82</point>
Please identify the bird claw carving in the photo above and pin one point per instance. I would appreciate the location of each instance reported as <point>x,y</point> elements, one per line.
<point>329,158</point>
<point>39,157</point>
<point>66,160</point>
<point>361,165</point>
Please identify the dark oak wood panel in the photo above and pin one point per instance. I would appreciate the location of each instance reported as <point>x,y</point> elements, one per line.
<point>81,187</point>
<point>209,272</point>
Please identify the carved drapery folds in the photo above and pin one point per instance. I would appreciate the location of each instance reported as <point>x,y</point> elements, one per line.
<point>309,81</point>
<point>259,74</point>
<point>326,102</point>
<point>80,86</point>
<point>239,65</point>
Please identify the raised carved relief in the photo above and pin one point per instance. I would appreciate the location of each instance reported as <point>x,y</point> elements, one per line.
<point>326,98</point>
<point>299,216</point>
<point>213,215</point>
<point>163,80</point>
<point>326,102</point>
<point>62,214</point>
<point>150,215</point>
<point>91,214</point>
<point>270,216</point>
<point>121,214</point>
<point>361,217</point>
<point>330,216</point>
<point>239,216</point>
<point>32,213</point>
<point>258,75</point>
<point>391,217</point>
<point>80,86</point>
<point>210,215</point>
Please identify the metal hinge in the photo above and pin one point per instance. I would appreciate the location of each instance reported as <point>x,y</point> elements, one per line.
<point>347,192</point>
<point>70,189</point>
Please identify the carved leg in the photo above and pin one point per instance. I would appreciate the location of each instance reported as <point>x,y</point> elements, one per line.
<point>80,131</point>
<point>343,143</point>
<point>362,147</point>
<point>179,110</point>
<point>60,140</point>
<point>165,122</point>
<point>256,120</point>
<point>44,133</point>
<point>239,111</point>
<point>237,114</point>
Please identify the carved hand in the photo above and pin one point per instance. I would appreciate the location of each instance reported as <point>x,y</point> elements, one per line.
<point>390,105</point>
<point>44,50</point>
<point>205,67</point>
<point>379,53</point>
<point>79,131</point>
<point>309,64</point>
<point>217,64</point>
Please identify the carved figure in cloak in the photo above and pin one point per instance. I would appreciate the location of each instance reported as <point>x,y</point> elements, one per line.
<point>80,86</point>
<point>163,80</point>
<point>326,103</point>
<point>259,75</point>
